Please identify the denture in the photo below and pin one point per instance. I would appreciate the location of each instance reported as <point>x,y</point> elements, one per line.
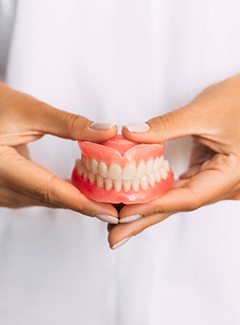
<point>122,171</point>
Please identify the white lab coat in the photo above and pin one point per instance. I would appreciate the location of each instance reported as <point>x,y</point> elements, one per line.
<point>119,61</point>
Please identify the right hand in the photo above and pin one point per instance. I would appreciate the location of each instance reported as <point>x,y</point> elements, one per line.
<point>24,183</point>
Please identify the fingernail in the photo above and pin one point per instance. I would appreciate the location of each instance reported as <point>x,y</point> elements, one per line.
<point>106,218</point>
<point>122,242</point>
<point>130,218</point>
<point>101,126</point>
<point>137,127</point>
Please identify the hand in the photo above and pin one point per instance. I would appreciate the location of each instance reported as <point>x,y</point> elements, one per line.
<point>213,120</point>
<point>24,183</point>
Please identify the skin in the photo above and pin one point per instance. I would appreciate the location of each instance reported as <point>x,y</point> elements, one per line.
<point>24,183</point>
<point>212,119</point>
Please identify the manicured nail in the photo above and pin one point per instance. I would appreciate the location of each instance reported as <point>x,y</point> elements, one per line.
<point>141,127</point>
<point>122,242</point>
<point>101,126</point>
<point>130,218</point>
<point>106,218</point>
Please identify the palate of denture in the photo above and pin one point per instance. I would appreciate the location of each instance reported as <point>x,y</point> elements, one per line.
<point>122,171</point>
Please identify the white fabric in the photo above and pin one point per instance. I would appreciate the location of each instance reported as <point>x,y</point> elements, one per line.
<point>121,61</point>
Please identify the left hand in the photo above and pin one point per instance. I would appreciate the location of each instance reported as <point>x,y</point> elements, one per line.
<point>212,119</point>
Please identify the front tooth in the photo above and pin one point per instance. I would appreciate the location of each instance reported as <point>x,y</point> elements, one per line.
<point>155,164</point>
<point>160,162</point>
<point>144,183</point>
<point>135,184</point>
<point>114,171</point>
<point>91,177</point>
<point>158,176</point>
<point>94,165</point>
<point>85,174</point>
<point>88,164</point>
<point>129,171</point>
<point>151,180</point>
<point>164,172</point>
<point>149,166</point>
<point>141,169</point>
<point>126,186</point>
<point>103,169</point>
<point>108,184</point>
<point>99,181</point>
<point>117,185</point>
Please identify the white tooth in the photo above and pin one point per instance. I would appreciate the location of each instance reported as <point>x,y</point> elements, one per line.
<point>114,171</point>
<point>149,166</point>
<point>94,166</point>
<point>99,181</point>
<point>84,160</point>
<point>160,162</point>
<point>129,171</point>
<point>79,167</point>
<point>102,169</point>
<point>164,173</point>
<point>126,186</point>
<point>155,164</point>
<point>141,169</point>
<point>135,184</point>
<point>88,164</point>
<point>91,177</point>
<point>117,185</point>
<point>158,177</point>
<point>151,179</point>
<point>166,165</point>
<point>85,174</point>
<point>108,184</point>
<point>144,183</point>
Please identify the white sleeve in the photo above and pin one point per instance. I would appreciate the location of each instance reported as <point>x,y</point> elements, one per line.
<point>7,14</point>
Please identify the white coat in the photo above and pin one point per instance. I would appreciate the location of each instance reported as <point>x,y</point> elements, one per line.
<point>118,61</point>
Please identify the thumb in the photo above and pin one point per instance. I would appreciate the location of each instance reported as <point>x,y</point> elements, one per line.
<point>71,126</point>
<point>38,118</point>
<point>182,122</point>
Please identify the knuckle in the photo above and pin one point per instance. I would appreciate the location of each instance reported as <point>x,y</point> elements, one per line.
<point>73,122</point>
<point>45,193</point>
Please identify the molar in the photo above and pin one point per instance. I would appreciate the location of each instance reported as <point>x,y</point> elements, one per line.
<point>99,181</point>
<point>91,177</point>
<point>164,172</point>
<point>149,166</point>
<point>79,167</point>
<point>88,164</point>
<point>94,166</point>
<point>151,180</point>
<point>141,169</point>
<point>103,169</point>
<point>129,171</point>
<point>144,183</point>
<point>85,174</point>
<point>114,171</point>
<point>155,164</point>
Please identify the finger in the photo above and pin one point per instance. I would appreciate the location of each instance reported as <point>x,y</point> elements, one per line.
<point>182,122</point>
<point>39,118</point>
<point>119,234</point>
<point>28,178</point>
<point>12,199</point>
<point>216,179</point>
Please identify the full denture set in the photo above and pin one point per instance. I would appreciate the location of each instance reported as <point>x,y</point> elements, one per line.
<point>122,171</point>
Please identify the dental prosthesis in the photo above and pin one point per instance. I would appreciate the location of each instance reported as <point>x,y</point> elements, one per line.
<point>122,171</point>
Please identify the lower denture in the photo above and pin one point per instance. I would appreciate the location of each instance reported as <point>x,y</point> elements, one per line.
<point>116,172</point>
